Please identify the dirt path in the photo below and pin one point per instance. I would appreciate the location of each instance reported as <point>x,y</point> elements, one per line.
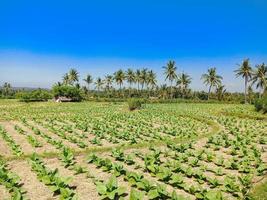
<point>46,146</point>
<point>18,138</point>
<point>36,190</point>
<point>54,136</point>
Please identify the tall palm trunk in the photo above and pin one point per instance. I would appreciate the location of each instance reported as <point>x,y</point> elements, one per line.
<point>209,92</point>
<point>246,83</point>
<point>171,90</point>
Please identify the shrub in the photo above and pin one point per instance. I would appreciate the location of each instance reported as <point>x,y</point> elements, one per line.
<point>134,104</point>
<point>67,91</point>
<point>261,104</point>
<point>35,95</point>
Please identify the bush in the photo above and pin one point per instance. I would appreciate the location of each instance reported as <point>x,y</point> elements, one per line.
<point>67,91</point>
<point>35,95</point>
<point>134,104</point>
<point>261,104</point>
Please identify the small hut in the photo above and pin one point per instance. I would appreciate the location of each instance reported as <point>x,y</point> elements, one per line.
<point>63,99</point>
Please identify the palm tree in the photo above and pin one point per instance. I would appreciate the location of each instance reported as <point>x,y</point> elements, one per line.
<point>130,77</point>
<point>245,71</point>
<point>183,81</point>
<point>259,77</point>
<point>88,80</point>
<point>220,91</point>
<point>170,72</point>
<point>119,77</point>
<point>66,79</point>
<point>138,77</point>
<point>7,89</point>
<point>98,84</point>
<point>143,77</point>
<point>108,82</point>
<point>212,79</point>
<point>151,79</point>
<point>73,76</point>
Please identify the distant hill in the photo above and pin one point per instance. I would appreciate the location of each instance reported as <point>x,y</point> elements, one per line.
<point>26,88</point>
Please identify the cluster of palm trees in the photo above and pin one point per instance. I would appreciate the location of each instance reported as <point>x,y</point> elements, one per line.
<point>145,79</point>
<point>257,76</point>
<point>141,77</point>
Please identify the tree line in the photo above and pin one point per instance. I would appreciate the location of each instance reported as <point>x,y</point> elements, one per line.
<point>143,83</point>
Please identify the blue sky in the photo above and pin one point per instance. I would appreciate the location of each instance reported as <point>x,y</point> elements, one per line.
<point>40,40</point>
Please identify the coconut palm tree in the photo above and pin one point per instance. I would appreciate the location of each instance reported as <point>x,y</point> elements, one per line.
<point>119,77</point>
<point>98,84</point>
<point>73,76</point>
<point>151,79</point>
<point>130,77</point>
<point>66,79</point>
<point>245,71</point>
<point>108,81</point>
<point>88,80</point>
<point>220,91</point>
<point>259,77</point>
<point>212,79</point>
<point>170,73</point>
<point>183,82</point>
<point>143,78</point>
<point>7,89</point>
<point>138,77</point>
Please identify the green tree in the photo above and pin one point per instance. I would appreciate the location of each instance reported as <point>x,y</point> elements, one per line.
<point>183,82</point>
<point>143,78</point>
<point>66,79</point>
<point>151,79</point>
<point>130,77</point>
<point>138,78</point>
<point>73,76</point>
<point>108,81</point>
<point>259,77</point>
<point>212,79</point>
<point>119,77</point>
<point>220,92</point>
<point>7,89</point>
<point>88,80</point>
<point>170,73</point>
<point>98,84</point>
<point>245,71</point>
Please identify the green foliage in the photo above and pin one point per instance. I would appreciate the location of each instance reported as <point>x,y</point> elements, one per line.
<point>110,189</point>
<point>67,91</point>
<point>12,182</point>
<point>134,104</point>
<point>261,104</point>
<point>51,178</point>
<point>35,95</point>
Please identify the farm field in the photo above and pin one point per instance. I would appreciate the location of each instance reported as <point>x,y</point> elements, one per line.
<point>103,151</point>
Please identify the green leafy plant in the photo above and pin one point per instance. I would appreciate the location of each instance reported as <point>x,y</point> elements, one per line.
<point>110,189</point>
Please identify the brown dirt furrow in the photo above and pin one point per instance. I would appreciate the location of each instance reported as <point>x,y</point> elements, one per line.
<point>5,150</point>
<point>36,190</point>
<point>54,136</point>
<point>4,195</point>
<point>18,138</point>
<point>85,189</point>
<point>46,146</point>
